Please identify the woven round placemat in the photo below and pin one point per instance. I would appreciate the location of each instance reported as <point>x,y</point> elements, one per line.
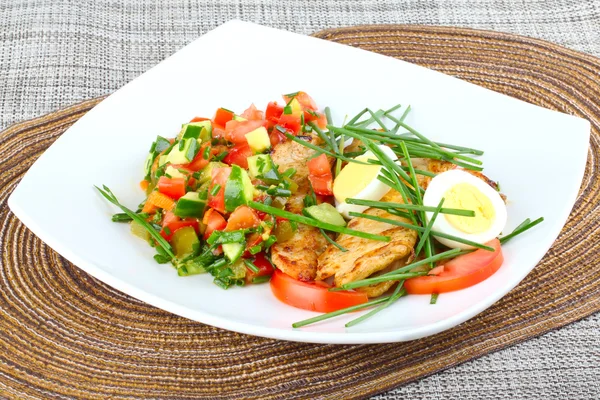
<point>65,334</point>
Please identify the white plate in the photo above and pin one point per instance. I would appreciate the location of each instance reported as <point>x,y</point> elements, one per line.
<point>538,156</point>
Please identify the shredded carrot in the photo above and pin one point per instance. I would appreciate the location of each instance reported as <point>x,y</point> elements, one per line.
<point>144,184</point>
<point>160,200</point>
<point>149,208</point>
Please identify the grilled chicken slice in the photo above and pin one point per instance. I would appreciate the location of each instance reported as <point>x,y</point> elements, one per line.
<point>367,257</point>
<point>297,256</point>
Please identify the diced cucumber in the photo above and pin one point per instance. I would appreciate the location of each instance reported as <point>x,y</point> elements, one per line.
<point>258,139</point>
<point>238,189</point>
<point>192,204</point>
<point>206,174</point>
<point>325,212</point>
<point>173,172</point>
<point>184,242</point>
<point>201,130</point>
<point>183,152</point>
<point>139,230</point>
<point>233,251</point>
<point>259,164</point>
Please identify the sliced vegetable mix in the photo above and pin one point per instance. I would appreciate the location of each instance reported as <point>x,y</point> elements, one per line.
<point>228,194</point>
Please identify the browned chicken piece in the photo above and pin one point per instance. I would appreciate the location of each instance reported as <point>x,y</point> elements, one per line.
<point>367,257</point>
<point>297,256</point>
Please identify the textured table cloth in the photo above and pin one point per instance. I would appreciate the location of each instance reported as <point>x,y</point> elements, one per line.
<point>55,52</point>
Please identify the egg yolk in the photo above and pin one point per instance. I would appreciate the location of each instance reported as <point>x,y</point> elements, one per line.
<point>467,197</point>
<point>354,178</point>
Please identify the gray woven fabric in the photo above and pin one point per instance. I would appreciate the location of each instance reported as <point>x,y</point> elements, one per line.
<point>56,52</point>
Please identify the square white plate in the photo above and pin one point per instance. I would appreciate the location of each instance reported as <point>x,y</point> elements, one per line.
<point>524,144</point>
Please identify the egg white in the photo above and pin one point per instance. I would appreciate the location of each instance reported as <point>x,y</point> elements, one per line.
<point>374,190</point>
<point>439,185</point>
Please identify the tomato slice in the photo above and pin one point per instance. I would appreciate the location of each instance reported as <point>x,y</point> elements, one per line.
<point>238,155</point>
<point>312,296</point>
<point>320,176</point>
<point>172,223</point>
<point>235,131</point>
<point>222,116</point>
<point>219,177</point>
<point>213,221</point>
<point>460,272</point>
<point>242,217</point>
<point>265,268</point>
<point>172,187</point>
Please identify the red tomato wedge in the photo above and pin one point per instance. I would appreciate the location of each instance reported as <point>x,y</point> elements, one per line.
<point>213,221</point>
<point>238,155</point>
<point>320,175</point>
<point>222,116</point>
<point>172,187</point>
<point>242,217</point>
<point>264,268</point>
<point>172,222</point>
<point>235,131</point>
<point>460,272</point>
<point>312,296</point>
<point>219,177</point>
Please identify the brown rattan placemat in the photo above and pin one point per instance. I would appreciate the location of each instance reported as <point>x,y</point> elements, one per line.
<point>65,334</point>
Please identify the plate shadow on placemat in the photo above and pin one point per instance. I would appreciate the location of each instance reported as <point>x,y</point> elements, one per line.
<point>66,334</point>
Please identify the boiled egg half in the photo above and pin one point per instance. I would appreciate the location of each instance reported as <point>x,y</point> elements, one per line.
<point>359,181</point>
<point>464,191</point>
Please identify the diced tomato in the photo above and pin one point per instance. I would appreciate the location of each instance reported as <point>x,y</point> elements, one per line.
<point>222,116</point>
<point>265,268</point>
<point>460,272</point>
<point>320,176</point>
<point>319,165</point>
<point>198,119</point>
<point>320,119</point>
<point>290,122</point>
<point>219,176</point>
<point>312,296</point>
<point>238,155</point>
<point>235,131</point>
<point>213,221</point>
<point>199,162</point>
<point>172,187</point>
<point>172,223</point>
<point>253,114</point>
<point>242,217</point>
<point>276,137</point>
<point>273,112</point>
<point>304,99</point>
<point>218,132</point>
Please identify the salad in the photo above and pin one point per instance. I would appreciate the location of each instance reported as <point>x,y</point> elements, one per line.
<point>336,217</point>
